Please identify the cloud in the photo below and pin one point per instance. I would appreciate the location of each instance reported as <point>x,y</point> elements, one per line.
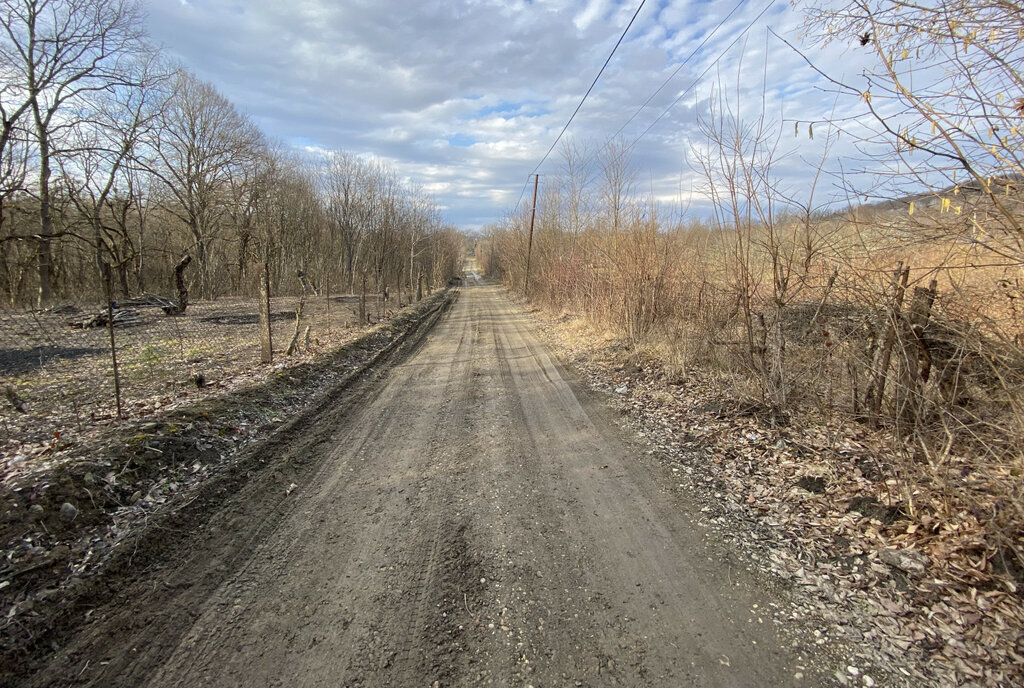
<point>464,96</point>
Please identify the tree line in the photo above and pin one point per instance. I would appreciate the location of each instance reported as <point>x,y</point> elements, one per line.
<point>115,163</point>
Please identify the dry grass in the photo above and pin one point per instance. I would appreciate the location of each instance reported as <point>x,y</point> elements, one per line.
<point>679,298</point>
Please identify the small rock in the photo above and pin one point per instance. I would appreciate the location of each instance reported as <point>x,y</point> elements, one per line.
<point>60,553</point>
<point>621,390</point>
<point>37,509</point>
<point>908,560</point>
<point>854,671</point>
<point>68,511</point>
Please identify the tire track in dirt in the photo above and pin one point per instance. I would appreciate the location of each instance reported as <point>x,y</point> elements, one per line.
<point>623,566</point>
<point>389,563</point>
<point>479,519</point>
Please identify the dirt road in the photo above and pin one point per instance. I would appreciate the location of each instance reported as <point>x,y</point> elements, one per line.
<point>474,519</point>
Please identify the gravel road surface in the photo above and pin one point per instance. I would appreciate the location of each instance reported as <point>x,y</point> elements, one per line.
<point>476,518</point>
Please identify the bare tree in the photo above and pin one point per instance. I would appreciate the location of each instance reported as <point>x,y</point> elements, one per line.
<point>944,84</point>
<point>575,207</point>
<point>738,161</point>
<point>618,177</point>
<point>99,169</point>
<point>57,55</point>
<point>342,182</point>
<point>202,142</point>
<point>13,171</point>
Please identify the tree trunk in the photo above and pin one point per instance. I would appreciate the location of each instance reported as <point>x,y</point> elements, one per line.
<point>298,314</point>
<point>243,252</point>
<point>108,282</point>
<point>44,258</point>
<point>179,283</point>
<point>298,327</point>
<point>122,275</point>
<point>141,279</point>
<point>362,302</point>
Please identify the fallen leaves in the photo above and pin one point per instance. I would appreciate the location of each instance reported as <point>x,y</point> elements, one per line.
<point>899,563</point>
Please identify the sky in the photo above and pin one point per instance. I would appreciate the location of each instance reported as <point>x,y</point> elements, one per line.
<point>464,97</point>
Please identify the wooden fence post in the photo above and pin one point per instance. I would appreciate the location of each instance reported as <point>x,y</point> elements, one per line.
<point>266,342</point>
<point>917,362</point>
<point>883,354</point>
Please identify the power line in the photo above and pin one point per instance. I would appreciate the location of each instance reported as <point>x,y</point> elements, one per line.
<point>658,90</point>
<point>718,59</point>
<point>682,64</point>
<point>585,95</point>
<point>521,194</point>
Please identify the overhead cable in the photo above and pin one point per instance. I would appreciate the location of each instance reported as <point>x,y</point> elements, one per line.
<point>682,64</point>
<point>718,59</point>
<point>584,99</point>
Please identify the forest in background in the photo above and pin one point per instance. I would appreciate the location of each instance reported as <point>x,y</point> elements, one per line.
<point>115,164</point>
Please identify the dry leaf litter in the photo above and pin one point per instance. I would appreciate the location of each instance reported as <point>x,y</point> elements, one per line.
<point>899,573</point>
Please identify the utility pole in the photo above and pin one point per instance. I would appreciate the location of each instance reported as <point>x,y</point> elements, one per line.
<point>529,244</point>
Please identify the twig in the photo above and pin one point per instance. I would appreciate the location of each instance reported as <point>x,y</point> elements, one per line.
<point>465,601</point>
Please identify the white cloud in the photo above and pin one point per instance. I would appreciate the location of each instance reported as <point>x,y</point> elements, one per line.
<point>593,11</point>
<point>464,97</point>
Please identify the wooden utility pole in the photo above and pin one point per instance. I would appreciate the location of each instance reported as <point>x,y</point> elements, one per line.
<point>529,243</point>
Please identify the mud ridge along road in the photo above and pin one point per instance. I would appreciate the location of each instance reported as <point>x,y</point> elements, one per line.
<point>472,516</point>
